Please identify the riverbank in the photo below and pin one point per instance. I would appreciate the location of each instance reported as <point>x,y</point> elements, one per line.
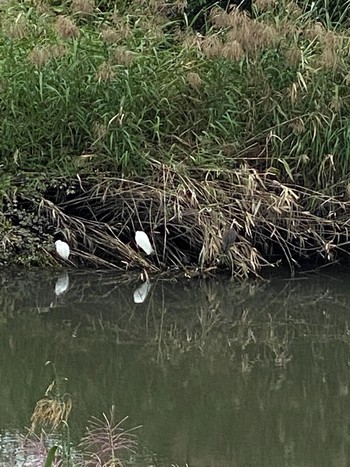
<point>229,148</point>
<point>198,221</point>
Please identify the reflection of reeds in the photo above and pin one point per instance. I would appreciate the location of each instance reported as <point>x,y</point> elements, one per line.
<point>106,443</point>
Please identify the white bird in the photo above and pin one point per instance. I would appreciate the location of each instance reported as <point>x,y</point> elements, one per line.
<point>62,249</point>
<point>141,292</point>
<point>143,242</point>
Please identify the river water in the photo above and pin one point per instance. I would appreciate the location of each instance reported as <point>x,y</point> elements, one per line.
<point>216,373</point>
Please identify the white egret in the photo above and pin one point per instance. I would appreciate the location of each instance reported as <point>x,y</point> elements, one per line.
<point>62,249</point>
<point>142,240</point>
<point>141,292</point>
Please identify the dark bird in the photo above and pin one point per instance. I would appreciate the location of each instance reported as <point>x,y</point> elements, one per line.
<point>228,238</point>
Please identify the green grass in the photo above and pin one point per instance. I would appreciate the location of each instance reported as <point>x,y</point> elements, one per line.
<point>126,88</point>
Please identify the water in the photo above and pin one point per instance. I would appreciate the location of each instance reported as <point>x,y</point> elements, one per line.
<point>217,373</point>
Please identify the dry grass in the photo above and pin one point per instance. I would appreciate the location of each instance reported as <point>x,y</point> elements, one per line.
<point>51,411</point>
<point>201,221</point>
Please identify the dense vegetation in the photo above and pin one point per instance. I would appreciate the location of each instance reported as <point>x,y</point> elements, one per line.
<point>118,116</point>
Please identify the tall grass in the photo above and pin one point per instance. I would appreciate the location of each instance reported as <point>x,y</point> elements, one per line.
<point>85,86</point>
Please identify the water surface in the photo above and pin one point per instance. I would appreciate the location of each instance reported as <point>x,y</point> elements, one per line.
<point>217,373</point>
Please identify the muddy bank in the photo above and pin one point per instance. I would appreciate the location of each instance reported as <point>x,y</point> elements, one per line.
<point>198,221</point>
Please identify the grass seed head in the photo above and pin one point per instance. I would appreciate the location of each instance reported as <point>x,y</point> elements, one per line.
<point>293,57</point>
<point>194,80</point>
<point>181,5</point>
<point>336,103</point>
<point>212,46</point>
<point>66,28</point>
<point>106,442</point>
<point>317,30</point>
<point>190,41</point>
<point>39,56</point>
<point>123,57</point>
<point>42,7</point>
<point>116,17</point>
<point>105,72</point>
<point>58,50</point>
<point>17,29</point>
<point>233,51</point>
<point>110,35</point>
<point>99,130</point>
<point>84,7</point>
<point>265,5</point>
<point>331,50</point>
<point>329,58</point>
<point>220,18</point>
<point>252,35</point>
<point>298,126</point>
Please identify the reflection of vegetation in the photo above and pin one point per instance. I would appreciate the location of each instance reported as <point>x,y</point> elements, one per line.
<point>214,366</point>
<point>248,312</point>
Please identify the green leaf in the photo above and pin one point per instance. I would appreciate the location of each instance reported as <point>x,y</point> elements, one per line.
<point>51,456</point>
<point>287,168</point>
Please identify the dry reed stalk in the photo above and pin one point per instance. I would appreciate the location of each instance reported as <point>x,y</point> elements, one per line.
<point>187,215</point>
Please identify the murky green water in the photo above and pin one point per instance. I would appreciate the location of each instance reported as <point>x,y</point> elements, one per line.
<point>217,373</point>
